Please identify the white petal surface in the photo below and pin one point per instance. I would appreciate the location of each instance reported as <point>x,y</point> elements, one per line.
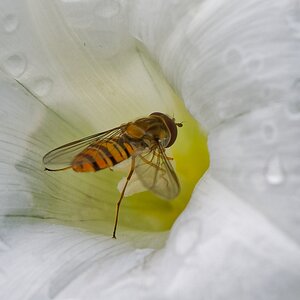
<point>237,68</point>
<point>236,64</point>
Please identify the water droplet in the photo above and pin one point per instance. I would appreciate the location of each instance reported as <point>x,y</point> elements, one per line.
<point>108,9</point>
<point>42,86</point>
<point>15,65</point>
<point>233,57</point>
<point>274,173</point>
<point>10,23</point>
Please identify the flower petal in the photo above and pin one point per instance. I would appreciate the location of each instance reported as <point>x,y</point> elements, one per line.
<point>234,64</point>
<point>232,241</point>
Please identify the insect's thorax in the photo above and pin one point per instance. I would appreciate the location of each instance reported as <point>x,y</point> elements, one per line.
<point>147,131</point>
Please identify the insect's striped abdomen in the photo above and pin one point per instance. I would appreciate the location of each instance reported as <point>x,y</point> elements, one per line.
<point>101,155</point>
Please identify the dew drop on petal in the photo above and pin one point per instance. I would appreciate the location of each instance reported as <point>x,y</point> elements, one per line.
<point>274,173</point>
<point>15,65</point>
<point>10,23</point>
<point>107,9</point>
<point>42,86</point>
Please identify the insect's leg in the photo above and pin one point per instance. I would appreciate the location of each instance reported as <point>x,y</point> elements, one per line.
<point>62,169</point>
<point>167,157</point>
<point>150,162</point>
<point>122,195</point>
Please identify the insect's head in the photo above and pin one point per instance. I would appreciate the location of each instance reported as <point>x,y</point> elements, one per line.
<point>170,124</point>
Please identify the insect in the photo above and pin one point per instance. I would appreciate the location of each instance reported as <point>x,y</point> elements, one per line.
<point>143,140</point>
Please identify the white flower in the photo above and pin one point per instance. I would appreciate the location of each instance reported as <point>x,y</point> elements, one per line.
<point>72,68</point>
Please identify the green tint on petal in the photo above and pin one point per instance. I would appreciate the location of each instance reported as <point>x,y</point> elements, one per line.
<point>191,160</point>
<point>88,200</point>
<point>78,88</point>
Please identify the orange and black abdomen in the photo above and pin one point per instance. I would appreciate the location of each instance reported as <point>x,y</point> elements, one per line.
<point>102,154</point>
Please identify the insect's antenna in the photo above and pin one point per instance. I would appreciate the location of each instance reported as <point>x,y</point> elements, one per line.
<point>54,170</point>
<point>178,124</point>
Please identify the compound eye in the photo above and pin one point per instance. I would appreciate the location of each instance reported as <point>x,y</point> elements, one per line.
<point>171,126</point>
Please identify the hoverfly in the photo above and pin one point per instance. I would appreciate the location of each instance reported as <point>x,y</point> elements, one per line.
<point>144,141</point>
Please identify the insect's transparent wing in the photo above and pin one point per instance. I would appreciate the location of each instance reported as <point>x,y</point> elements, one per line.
<point>62,157</point>
<point>156,173</point>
